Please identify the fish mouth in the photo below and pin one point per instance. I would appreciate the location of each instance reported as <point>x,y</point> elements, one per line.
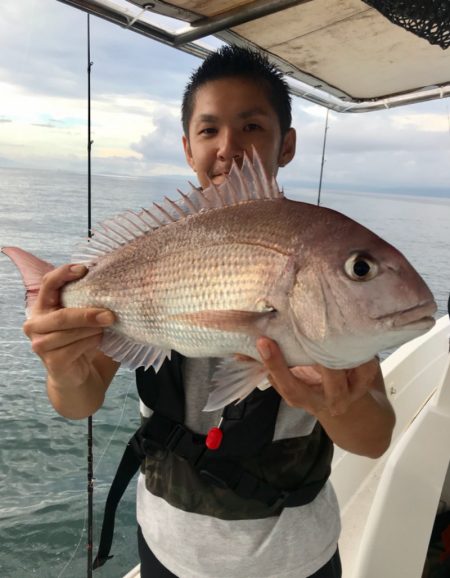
<point>418,317</point>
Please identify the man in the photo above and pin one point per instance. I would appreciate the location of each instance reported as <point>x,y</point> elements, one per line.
<point>194,522</point>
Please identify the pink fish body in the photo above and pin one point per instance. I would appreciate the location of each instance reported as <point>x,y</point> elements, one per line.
<point>208,274</point>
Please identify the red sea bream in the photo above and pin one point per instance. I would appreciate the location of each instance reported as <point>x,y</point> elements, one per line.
<point>207,274</point>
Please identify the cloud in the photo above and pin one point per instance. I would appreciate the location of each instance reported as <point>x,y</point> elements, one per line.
<point>43,125</point>
<point>43,85</point>
<point>49,55</point>
<point>141,168</point>
<point>137,86</point>
<point>425,122</point>
<point>392,130</point>
<point>163,144</point>
<point>404,148</point>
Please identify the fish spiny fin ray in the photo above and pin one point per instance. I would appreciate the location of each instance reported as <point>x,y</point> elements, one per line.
<point>234,380</point>
<point>131,354</point>
<point>242,185</point>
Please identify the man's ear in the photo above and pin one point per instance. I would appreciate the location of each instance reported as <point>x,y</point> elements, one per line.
<point>287,150</point>
<point>188,153</point>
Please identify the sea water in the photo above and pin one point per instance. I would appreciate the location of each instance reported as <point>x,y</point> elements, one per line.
<point>43,473</point>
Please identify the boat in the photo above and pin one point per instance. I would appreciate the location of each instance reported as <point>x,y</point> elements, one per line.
<point>350,56</point>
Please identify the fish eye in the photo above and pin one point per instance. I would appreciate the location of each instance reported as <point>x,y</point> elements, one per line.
<point>361,267</point>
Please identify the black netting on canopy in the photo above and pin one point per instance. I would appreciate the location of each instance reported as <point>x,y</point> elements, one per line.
<point>429,19</point>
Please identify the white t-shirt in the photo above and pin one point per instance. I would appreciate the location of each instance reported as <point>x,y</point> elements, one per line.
<point>293,545</point>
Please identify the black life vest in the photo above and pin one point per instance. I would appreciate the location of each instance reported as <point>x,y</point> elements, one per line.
<point>249,476</point>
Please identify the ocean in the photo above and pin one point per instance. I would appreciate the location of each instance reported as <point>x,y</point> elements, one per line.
<point>42,455</point>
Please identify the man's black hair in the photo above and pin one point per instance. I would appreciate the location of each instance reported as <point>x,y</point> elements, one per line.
<point>232,61</point>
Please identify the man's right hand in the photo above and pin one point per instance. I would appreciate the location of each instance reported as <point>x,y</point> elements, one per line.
<point>66,340</point>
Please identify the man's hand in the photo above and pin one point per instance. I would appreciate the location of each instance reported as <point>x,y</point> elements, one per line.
<point>317,389</point>
<point>66,340</point>
<point>351,404</point>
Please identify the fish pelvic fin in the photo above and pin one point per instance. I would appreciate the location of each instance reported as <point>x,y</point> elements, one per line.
<point>234,380</point>
<point>242,185</point>
<point>32,270</point>
<point>131,354</point>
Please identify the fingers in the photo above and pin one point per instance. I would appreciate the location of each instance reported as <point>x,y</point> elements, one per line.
<point>335,390</point>
<point>58,361</point>
<point>367,376</point>
<point>319,389</point>
<point>66,319</point>
<point>61,337</point>
<point>45,342</point>
<point>308,374</point>
<point>295,391</point>
<point>241,357</point>
<point>315,389</point>
<point>274,361</point>
<point>49,294</point>
<point>67,339</point>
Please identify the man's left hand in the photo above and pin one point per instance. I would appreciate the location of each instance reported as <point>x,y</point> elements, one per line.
<point>317,389</point>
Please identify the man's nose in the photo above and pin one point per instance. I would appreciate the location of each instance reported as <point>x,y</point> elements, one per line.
<point>229,146</point>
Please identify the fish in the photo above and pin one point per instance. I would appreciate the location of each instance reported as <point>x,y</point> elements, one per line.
<point>207,274</point>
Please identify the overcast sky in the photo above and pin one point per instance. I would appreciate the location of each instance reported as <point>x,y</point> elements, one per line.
<point>136,93</point>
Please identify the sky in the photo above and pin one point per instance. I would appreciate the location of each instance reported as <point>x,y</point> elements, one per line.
<point>136,87</point>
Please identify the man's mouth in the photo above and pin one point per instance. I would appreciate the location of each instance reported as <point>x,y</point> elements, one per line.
<point>218,178</point>
<point>218,175</point>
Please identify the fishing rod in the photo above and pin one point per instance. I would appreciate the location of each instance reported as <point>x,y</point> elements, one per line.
<point>323,156</point>
<point>90,456</point>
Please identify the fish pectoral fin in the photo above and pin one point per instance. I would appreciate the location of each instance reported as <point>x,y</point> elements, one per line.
<point>131,354</point>
<point>234,380</point>
<point>251,322</point>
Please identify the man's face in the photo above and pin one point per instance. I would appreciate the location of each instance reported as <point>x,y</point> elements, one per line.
<point>230,116</point>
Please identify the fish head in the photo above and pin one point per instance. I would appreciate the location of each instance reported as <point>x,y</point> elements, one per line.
<point>355,295</point>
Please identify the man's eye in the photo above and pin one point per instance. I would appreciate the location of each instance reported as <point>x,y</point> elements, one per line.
<point>208,130</point>
<point>251,126</point>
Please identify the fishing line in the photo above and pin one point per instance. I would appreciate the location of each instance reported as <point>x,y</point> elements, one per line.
<point>76,547</point>
<point>448,114</point>
<point>99,461</point>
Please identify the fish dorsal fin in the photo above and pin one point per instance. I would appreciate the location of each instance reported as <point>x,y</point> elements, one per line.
<point>241,185</point>
<point>248,183</point>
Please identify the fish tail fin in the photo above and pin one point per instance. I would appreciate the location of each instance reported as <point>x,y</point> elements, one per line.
<point>31,269</point>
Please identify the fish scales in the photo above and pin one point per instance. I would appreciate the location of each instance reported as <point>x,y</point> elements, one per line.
<point>225,259</point>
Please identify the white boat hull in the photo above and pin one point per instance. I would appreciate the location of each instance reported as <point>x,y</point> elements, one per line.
<point>388,505</point>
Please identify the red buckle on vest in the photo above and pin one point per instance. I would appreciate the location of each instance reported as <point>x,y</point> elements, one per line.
<point>214,438</point>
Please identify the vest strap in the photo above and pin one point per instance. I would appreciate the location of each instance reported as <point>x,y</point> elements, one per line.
<point>129,465</point>
<point>161,433</point>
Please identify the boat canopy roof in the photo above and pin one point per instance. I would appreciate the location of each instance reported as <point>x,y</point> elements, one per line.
<point>346,55</point>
